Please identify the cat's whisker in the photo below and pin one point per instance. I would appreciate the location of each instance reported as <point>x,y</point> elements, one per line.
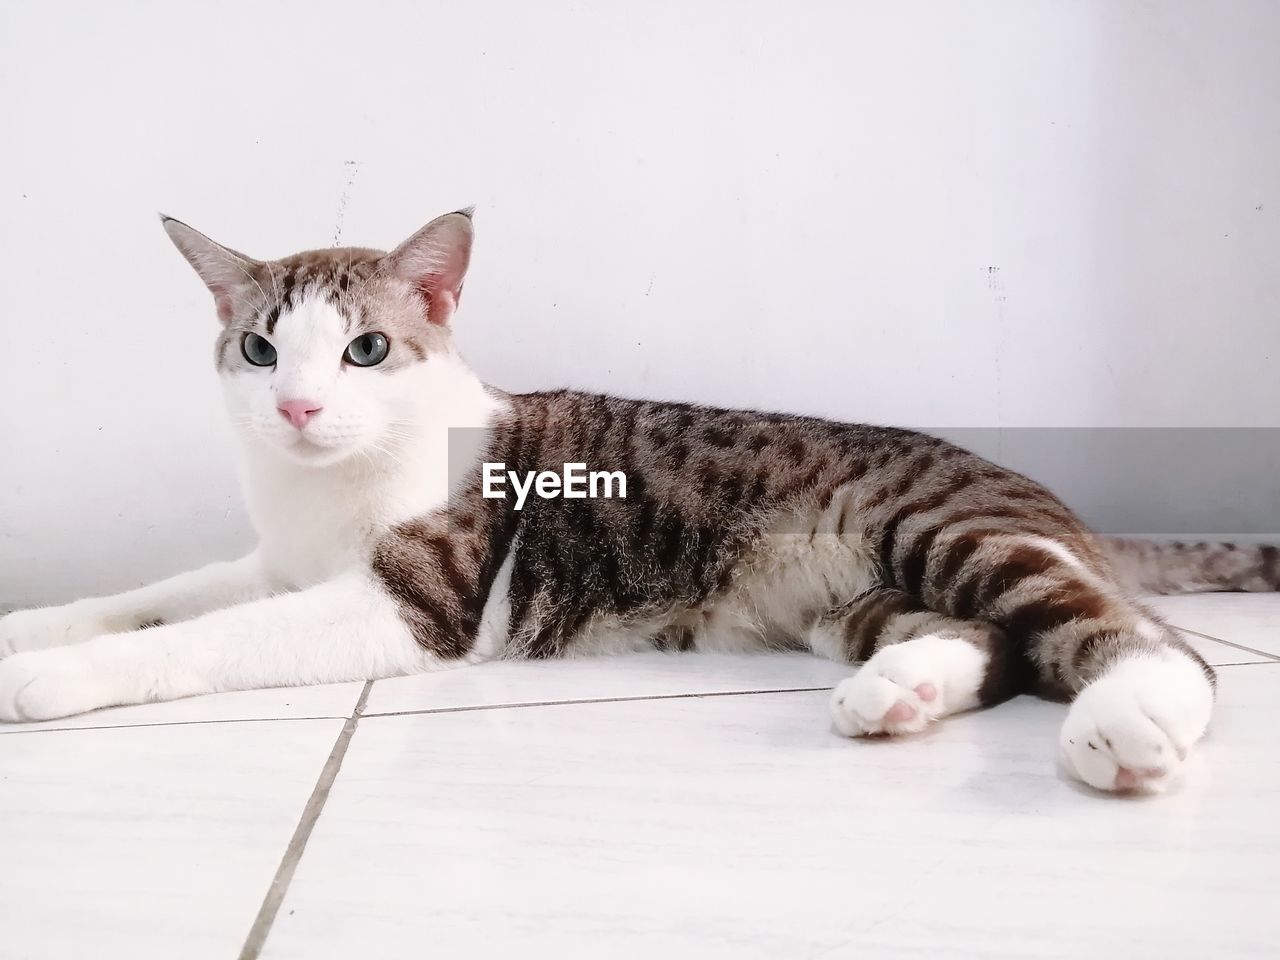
<point>388,454</point>
<point>400,433</point>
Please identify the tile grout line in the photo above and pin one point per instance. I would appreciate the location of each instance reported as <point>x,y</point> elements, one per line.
<point>262,923</point>
<point>162,723</point>
<point>562,703</point>
<point>1245,663</point>
<point>397,713</point>
<point>1228,643</point>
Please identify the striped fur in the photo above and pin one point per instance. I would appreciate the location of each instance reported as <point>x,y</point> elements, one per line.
<point>745,530</point>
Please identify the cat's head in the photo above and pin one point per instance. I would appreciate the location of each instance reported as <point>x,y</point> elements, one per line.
<point>327,354</point>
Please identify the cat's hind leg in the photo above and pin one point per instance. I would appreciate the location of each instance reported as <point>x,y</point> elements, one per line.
<point>1131,728</point>
<point>919,665</point>
<point>1141,697</point>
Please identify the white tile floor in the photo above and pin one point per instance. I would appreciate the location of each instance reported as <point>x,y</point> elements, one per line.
<point>674,806</point>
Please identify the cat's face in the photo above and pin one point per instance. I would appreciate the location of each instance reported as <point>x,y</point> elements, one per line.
<point>332,354</point>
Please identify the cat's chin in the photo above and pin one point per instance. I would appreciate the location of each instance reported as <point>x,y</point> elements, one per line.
<point>308,453</point>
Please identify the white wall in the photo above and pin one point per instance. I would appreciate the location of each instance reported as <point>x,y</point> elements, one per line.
<point>934,213</point>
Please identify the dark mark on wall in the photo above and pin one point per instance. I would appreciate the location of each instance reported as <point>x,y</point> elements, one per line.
<point>354,167</point>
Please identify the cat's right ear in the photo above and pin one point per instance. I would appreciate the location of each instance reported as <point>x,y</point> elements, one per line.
<point>434,261</point>
<point>227,273</point>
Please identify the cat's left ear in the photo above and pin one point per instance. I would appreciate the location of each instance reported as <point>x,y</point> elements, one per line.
<point>434,260</point>
<point>227,273</point>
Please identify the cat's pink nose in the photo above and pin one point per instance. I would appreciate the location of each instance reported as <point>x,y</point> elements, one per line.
<point>298,412</point>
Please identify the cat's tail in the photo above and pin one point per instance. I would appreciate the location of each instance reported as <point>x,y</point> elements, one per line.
<point>1149,566</point>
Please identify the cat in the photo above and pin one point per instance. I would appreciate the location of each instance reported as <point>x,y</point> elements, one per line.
<point>387,548</point>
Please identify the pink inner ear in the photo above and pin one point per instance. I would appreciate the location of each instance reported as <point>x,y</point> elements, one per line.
<point>222,300</point>
<point>435,261</point>
<point>440,305</point>
<point>441,285</point>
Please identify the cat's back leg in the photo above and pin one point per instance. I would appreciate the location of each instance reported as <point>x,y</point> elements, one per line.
<point>1140,696</point>
<point>1045,617</point>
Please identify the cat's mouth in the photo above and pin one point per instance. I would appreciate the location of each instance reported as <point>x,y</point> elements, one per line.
<point>303,446</point>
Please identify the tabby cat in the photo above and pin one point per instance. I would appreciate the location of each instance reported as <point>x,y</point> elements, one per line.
<point>392,540</point>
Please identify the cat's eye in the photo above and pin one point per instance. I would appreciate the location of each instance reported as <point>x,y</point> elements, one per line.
<point>258,350</point>
<point>367,350</point>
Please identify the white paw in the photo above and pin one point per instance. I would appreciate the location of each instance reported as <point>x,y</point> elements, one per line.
<point>46,627</point>
<point>1132,728</point>
<point>47,684</point>
<point>905,687</point>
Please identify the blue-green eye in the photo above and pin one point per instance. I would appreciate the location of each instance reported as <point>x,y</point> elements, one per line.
<point>258,350</point>
<point>367,350</point>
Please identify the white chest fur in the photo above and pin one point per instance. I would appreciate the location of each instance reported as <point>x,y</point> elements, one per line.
<point>313,524</point>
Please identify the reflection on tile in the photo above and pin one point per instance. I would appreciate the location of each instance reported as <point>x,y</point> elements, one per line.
<point>150,841</point>
<point>637,675</point>
<point>600,678</point>
<point>1249,619</point>
<point>742,827</point>
<point>330,700</point>
<point>595,678</point>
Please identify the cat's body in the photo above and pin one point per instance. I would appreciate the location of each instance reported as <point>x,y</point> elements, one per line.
<point>365,437</point>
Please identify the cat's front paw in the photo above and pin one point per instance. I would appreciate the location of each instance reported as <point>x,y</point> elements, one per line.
<point>1132,728</point>
<point>46,627</point>
<point>48,684</point>
<point>905,687</point>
